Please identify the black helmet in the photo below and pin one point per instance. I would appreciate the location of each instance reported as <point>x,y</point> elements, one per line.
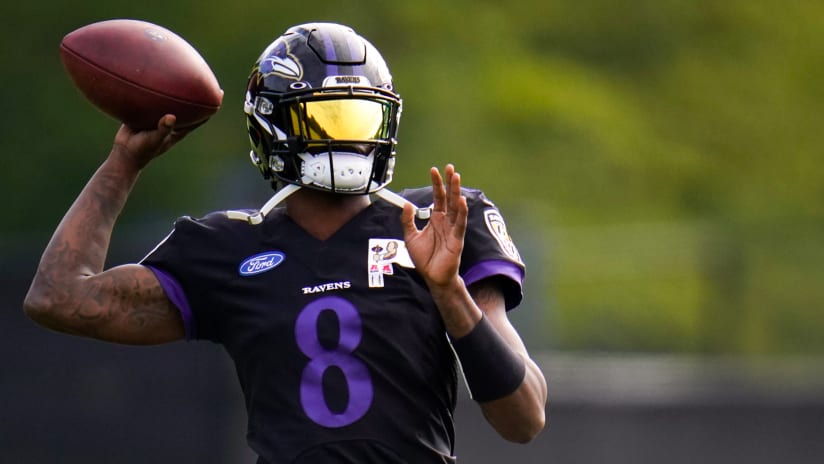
<point>322,112</point>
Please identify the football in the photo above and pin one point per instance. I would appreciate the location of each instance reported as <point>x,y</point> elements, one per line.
<point>136,72</point>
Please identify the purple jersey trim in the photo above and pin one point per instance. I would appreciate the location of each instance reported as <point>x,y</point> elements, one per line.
<point>175,293</point>
<point>494,267</point>
<point>490,268</point>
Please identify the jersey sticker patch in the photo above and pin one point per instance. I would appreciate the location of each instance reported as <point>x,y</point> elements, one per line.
<point>261,262</point>
<point>497,227</point>
<point>383,253</point>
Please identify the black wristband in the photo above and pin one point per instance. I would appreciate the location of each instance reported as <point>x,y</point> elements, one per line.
<point>491,368</point>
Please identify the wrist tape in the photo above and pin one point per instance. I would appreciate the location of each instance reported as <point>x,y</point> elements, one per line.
<point>491,368</point>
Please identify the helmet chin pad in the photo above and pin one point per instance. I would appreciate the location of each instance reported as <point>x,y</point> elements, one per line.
<point>335,171</point>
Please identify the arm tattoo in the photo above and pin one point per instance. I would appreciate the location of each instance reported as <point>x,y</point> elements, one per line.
<point>72,293</point>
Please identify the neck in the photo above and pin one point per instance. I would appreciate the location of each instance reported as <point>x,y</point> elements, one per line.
<point>321,214</point>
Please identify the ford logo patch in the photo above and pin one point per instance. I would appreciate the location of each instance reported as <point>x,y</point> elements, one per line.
<point>261,263</point>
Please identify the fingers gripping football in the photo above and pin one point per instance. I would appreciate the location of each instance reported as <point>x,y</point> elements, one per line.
<point>141,146</point>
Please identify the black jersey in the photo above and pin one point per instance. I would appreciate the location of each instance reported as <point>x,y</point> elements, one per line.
<point>340,351</point>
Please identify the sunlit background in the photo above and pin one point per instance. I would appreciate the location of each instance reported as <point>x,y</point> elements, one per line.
<point>658,163</point>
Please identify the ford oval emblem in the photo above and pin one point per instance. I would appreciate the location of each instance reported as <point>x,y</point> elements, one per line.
<point>261,262</point>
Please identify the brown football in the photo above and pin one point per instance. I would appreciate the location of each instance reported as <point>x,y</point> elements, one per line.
<point>136,72</point>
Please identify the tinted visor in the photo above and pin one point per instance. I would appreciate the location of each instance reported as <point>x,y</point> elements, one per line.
<point>341,119</point>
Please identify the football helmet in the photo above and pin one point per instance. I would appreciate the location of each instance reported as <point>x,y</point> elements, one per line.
<point>322,112</point>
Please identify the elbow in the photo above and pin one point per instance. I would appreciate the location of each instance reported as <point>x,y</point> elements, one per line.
<point>532,416</point>
<point>36,308</point>
<point>528,430</point>
<point>40,308</point>
<point>517,425</point>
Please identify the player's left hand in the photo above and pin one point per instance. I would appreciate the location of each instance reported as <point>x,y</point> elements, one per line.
<point>436,249</point>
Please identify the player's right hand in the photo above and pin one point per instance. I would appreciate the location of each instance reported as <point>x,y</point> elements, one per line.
<point>142,146</point>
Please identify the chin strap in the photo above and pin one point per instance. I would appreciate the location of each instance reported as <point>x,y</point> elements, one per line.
<point>399,201</point>
<point>288,189</point>
<point>257,218</point>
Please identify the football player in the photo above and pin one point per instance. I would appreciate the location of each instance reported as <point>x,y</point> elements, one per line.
<point>346,308</point>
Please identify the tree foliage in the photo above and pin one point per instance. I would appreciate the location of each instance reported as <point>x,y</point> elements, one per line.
<point>659,160</point>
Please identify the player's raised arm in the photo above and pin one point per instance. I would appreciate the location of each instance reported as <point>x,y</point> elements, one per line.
<point>509,386</point>
<point>71,292</point>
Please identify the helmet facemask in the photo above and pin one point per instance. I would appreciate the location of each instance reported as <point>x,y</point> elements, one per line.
<point>337,139</point>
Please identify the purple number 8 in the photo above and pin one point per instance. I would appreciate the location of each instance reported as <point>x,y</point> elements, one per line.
<point>358,380</point>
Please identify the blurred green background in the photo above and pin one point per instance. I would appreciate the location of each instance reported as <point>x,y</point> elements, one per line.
<point>657,161</point>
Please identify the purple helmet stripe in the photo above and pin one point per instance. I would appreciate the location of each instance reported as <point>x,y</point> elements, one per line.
<point>329,51</point>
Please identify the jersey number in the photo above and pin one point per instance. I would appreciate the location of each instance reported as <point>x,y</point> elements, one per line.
<point>321,358</point>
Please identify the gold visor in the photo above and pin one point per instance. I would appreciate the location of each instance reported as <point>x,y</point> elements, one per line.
<point>343,119</point>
